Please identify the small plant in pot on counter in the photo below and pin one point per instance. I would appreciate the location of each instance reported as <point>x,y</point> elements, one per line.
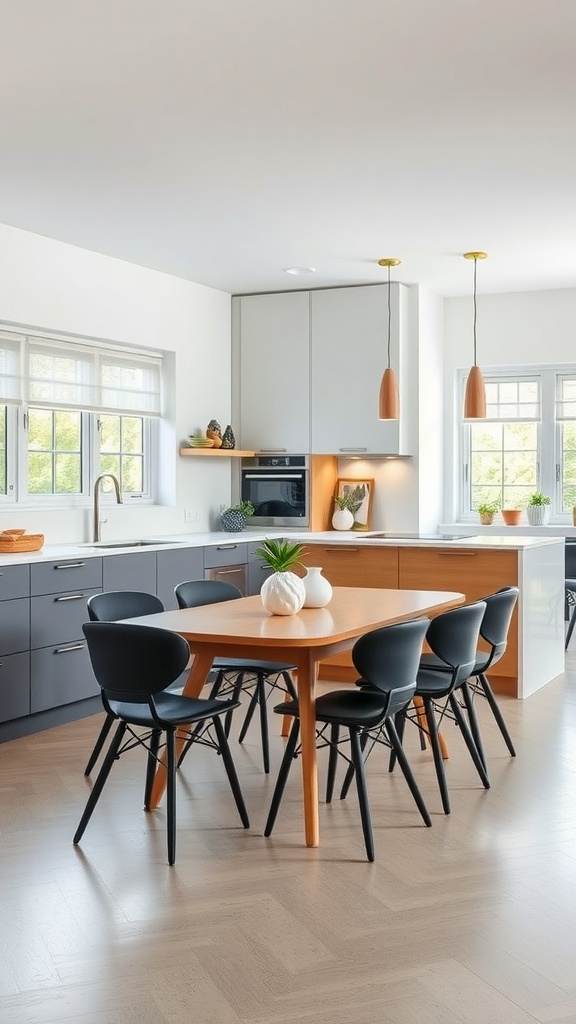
<point>283,593</point>
<point>487,510</point>
<point>343,515</point>
<point>235,517</point>
<point>538,509</point>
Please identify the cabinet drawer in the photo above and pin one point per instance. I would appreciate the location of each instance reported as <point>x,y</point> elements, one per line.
<point>176,566</point>
<point>225,554</point>
<point>58,618</point>
<point>65,575</point>
<point>355,564</point>
<point>472,572</point>
<point>14,581</point>
<point>14,686</point>
<point>130,572</point>
<point>15,626</point>
<point>61,675</point>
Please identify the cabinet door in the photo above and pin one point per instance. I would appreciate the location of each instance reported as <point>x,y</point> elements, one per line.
<point>467,571</point>
<point>14,581</point>
<point>349,355</point>
<point>176,566</point>
<point>58,618</point>
<point>130,572</point>
<point>258,569</point>
<point>355,565</point>
<point>274,362</point>
<point>60,675</point>
<point>14,626</point>
<point>14,686</point>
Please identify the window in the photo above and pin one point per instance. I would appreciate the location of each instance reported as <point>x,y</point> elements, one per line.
<point>70,411</point>
<point>526,443</point>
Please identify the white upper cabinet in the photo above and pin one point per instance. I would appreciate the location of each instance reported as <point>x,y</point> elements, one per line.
<point>349,331</point>
<point>271,336</point>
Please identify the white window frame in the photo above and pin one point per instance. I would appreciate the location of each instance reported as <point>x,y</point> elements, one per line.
<point>548,440</point>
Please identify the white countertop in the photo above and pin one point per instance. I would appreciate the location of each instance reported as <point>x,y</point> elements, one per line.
<point>50,552</point>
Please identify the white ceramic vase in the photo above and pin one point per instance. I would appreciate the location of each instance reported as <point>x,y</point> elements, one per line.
<point>343,519</point>
<point>318,589</point>
<point>283,593</point>
<point>538,515</point>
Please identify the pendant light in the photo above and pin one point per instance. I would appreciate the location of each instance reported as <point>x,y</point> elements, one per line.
<point>389,400</point>
<point>475,397</point>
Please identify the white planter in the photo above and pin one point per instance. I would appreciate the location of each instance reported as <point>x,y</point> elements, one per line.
<point>318,589</point>
<point>538,515</point>
<point>283,593</point>
<point>343,519</point>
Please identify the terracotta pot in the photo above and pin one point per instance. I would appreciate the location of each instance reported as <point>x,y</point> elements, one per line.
<point>512,516</point>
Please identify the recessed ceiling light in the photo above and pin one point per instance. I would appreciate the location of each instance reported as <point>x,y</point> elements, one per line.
<point>300,270</point>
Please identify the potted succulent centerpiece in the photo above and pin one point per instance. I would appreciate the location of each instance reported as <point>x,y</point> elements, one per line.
<point>283,593</point>
<point>538,509</point>
<point>487,510</point>
<point>234,517</point>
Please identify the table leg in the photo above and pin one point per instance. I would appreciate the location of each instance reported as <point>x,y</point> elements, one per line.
<point>197,676</point>
<point>307,673</point>
<point>421,716</point>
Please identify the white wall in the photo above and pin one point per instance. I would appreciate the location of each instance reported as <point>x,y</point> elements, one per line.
<point>512,329</point>
<point>58,287</point>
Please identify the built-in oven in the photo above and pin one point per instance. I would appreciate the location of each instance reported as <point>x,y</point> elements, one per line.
<point>279,488</point>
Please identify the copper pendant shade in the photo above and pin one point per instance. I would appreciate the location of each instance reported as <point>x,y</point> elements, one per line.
<point>389,398</point>
<point>475,397</point>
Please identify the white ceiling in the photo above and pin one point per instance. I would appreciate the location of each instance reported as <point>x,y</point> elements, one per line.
<point>224,140</point>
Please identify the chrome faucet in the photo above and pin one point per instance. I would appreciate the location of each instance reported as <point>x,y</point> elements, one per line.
<point>97,483</point>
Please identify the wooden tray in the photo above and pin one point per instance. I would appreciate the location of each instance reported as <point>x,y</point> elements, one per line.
<point>15,541</point>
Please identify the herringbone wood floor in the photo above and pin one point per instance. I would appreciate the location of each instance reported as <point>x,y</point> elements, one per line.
<point>469,922</point>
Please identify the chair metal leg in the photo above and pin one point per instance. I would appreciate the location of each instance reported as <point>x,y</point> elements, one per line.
<point>102,737</point>
<point>98,786</point>
<point>289,751</point>
<point>236,692</point>
<point>153,746</point>
<point>407,771</point>
<point>468,699</point>
<point>489,694</point>
<point>289,684</point>
<point>469,741</point>
<point>570,628</point>
<point>332,760</point>
<point>261,691</point>
<point>230,770</point>
<point>432,731</point>
<point>364,736</point>
<point>358,762</point>
<point>248,716</point>
<point>171,793</point>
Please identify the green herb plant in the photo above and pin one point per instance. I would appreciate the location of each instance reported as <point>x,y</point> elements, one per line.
<point>281,555</point>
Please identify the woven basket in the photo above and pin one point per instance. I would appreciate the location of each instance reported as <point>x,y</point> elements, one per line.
<point>15,541</point>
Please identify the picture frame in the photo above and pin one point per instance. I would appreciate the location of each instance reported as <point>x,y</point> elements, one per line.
<point>363,489</point>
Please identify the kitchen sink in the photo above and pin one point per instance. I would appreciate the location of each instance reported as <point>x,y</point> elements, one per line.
<point>130,543</point>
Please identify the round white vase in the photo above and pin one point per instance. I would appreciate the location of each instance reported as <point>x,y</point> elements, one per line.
<point>538,515</point>
<point>318,589</point>
<point>343,519</point>
<point>283,593</point>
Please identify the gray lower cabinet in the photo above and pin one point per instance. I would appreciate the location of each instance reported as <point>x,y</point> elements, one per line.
<point>14,686</point>
<point>14,642</point>
<point>258,569</point>
<point>130,572</point>
<point>175,566</point>
<point>60,669</point>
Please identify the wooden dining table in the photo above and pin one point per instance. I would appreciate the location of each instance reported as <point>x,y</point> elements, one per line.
<point>243,629</point>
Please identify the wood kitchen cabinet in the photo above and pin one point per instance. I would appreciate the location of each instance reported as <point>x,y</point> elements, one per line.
<point>272,346</point>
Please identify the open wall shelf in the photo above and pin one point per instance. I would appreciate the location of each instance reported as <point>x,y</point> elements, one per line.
<point>219,453</point>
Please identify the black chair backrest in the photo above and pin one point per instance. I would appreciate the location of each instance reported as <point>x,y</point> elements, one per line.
<point>132,662</point>
<point>570,559</point>
<point>453,637</point>
<point>388,659</point>
<point>496,622</point>
<point>194,593</point>
<point>122,604</point>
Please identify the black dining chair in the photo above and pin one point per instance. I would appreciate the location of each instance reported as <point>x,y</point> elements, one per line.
<point>388,660</point>
<point>135,666</point>
<point>494,630</point>
<point>235,676</point>
<point>109,607</point>
<point>570,586</point>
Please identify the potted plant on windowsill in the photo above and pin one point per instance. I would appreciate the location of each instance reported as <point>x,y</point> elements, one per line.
<point>234,518</point>
<point>538,509</point>
<point>487,510</point>
<point>512,516</point>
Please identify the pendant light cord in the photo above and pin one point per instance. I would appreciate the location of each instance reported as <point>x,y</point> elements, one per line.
<point>475,268</point>
<point>389,317</point>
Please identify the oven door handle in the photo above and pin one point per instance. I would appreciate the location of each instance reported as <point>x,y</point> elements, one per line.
<point>273,476</point>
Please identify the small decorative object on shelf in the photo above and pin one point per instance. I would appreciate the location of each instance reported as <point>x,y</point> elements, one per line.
<point>214,431</point>
<point>234,518</point>
<point>512,516</point>
<point>487,510</point>
<point>538,509</point>
<point>283,593</point>
<point>228,439</point>
<point>199,441</point>
<point>318,589</point>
